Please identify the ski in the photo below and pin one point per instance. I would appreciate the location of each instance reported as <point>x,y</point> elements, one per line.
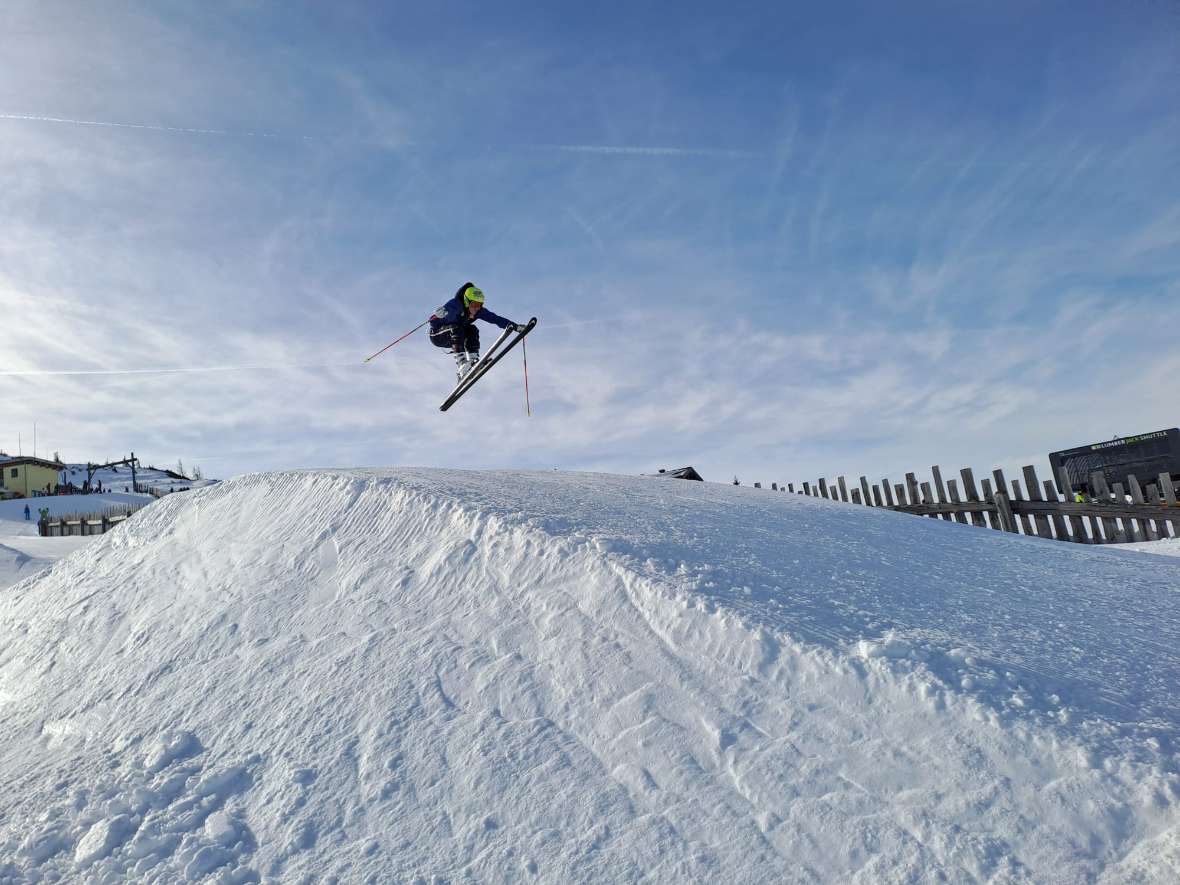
<point>489,359</point>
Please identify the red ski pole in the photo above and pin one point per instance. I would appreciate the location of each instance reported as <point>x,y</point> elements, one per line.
<point>407,335</point>
<point>525,350</point>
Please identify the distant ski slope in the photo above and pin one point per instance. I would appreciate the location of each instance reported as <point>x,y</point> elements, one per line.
<point>118,478</point>
<point>574,678</point>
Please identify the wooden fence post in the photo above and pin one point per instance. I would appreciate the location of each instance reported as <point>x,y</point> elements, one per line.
<point>899,493</point>
<point>807,489</point>
<point>989,495</point>
<point>972,495</point>
<point>940,488</point>
<point>1169,490</point>
<point>1149,525</point>
<point>1021,518</point>
<point>953,489</point>
<point>887,489</point>
<point>911,487</point>
<point>1102,493</point>
<point>856,496</point>
<point>1004,512</point>
<point>1059,524</point>
<point>1007,518</point>
<point>1130,526</point>
<point>928,498</point>
<point>1034,495</point>
<point>823,488</point>
<point>864,492</point>
<point>1075,521</point>
<point>1002,488</point>
<point>1165,483</point>
<point>877,500</point>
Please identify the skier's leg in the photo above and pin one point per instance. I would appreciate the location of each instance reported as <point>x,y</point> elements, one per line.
<point>444,336</point>
<point>451,338</point>
<point>471,345</point>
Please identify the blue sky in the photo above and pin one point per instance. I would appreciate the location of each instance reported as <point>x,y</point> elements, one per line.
<point>766,239</point>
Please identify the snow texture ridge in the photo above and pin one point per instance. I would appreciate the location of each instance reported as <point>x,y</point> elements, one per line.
<point>424,675</point>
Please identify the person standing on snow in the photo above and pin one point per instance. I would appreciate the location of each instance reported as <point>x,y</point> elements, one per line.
<point>453,326</point>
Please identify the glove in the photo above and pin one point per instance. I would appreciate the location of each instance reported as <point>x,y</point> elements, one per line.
<point>514,327</point>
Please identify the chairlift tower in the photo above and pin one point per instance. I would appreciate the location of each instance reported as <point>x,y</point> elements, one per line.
<point>91,469</point>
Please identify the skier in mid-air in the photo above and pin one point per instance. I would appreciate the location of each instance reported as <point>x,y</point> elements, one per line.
<point>453,326</point>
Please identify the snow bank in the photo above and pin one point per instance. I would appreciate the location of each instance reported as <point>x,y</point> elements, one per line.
<point>1166,547</point>
<point>25,554</point>
<point>441,675</point>
<point>14,510</point>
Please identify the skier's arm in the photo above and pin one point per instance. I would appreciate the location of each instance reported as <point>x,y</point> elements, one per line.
<point>488,317</point>
<point>446,315</point>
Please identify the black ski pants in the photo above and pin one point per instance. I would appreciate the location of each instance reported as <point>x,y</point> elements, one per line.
<point>458,338</point>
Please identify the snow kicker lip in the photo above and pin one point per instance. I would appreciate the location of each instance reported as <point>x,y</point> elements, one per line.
<point>290,667</point>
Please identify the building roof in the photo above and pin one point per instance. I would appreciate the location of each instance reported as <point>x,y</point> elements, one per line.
<point>681,473</point>
<point>32,462</point>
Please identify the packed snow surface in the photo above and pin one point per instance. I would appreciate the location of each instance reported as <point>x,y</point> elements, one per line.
<point>1164,547</point>
<point>24,554</point>
<point>13,510</point>
<point>423,675</point>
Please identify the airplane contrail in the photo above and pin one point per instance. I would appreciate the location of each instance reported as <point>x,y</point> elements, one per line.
<point>576,323</point>
<point>647,151</point>
<point>601,149</point>
<point>153,128</point>
<point>168,371</point>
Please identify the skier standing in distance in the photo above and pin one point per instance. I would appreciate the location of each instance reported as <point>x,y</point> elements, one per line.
<point>453,326</point>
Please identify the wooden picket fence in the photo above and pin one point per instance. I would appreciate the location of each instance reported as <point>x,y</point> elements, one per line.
<point>83,523</point>
<point>1105,515</point>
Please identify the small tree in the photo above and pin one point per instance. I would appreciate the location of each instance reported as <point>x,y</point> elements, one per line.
<point>180,466</point>
<point>197,473</point>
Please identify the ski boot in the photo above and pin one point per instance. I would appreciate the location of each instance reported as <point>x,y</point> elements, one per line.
<point>464,363</point>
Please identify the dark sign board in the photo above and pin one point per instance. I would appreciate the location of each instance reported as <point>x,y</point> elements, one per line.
<point>1144,456</point>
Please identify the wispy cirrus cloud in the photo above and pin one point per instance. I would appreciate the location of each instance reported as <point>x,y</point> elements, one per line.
<point>748,260</point>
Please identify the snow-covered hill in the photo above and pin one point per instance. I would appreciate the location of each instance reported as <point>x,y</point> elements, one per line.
<point>118,478</point>
<point>451,676</point>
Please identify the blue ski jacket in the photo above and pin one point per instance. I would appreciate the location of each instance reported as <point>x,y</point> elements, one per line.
<point>454,313</point>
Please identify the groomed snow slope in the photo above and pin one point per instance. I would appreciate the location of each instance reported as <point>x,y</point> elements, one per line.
<point>449,676</point>
<point>25,554</point>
